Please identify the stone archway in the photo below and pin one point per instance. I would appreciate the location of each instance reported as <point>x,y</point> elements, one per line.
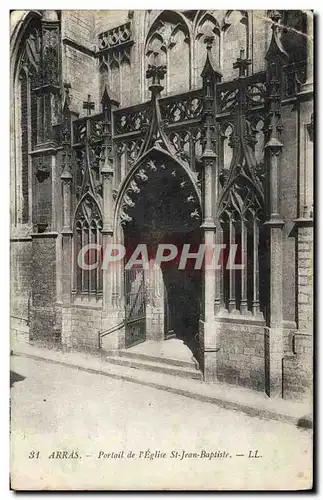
<point>160,205</point>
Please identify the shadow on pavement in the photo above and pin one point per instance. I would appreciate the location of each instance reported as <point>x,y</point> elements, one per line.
<point>15,377</point>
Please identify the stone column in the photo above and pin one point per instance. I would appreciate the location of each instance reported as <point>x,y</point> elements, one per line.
<point>274,329</point>
<point>110,317</point>
<point>308,85</point>
<point>207,331</point>
<point>302,361</point>
<point>107,232</point>
<point>304,221</point>
<point>244,271</point>
<point>232,272</point>
<point>67,264</point>
<point>255,278</point>
<point>47,86</point>
<point>276,58</point>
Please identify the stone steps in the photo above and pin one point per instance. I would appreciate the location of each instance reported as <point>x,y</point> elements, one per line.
<point>158,359</point>
<point>155,364</point>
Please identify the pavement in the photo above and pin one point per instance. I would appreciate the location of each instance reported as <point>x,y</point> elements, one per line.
<point>225,396</point>
<point>76,429</point>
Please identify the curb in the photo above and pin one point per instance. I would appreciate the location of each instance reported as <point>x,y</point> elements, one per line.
<point>252,411</point>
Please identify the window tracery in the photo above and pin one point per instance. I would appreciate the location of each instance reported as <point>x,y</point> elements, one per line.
<point>235,38</point>
<point>27,79</point>
<point>207,25</point>
<point>87,230</point>
<point>168,43</point>
<point>241,218</point>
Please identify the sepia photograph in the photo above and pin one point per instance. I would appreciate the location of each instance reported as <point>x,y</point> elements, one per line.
<point>161,250</point>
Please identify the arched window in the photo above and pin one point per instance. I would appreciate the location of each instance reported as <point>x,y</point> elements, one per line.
<point>26,115</point>
<point>168,43</point>
<point>241,217</point>
<point>24,143</point>
<point>207,25</point>
<point>235,39</point>
<point>88,230</point>
<point>241,222</point>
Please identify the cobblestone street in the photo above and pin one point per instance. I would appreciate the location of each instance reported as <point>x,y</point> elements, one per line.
<point>92,431</point>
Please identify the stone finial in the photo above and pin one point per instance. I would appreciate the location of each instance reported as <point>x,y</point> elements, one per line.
<point>275,15</point>
<point>88,105</point>
<point>276,50</point>
<point>242,64</point>
<point>66,122</point>
<point>210,68</point>
<point>209,39</point>
<point>108,99</point>
<point>155,72</point>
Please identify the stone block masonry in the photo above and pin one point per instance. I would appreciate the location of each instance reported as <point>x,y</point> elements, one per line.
<point>80,70</point>
<point>79,25</point>
<point>240,359</point>
<point>305,278</point>
<point>20,287</point>
<point>45,314</point>
<point>298,369</point>
<point>86,323</point>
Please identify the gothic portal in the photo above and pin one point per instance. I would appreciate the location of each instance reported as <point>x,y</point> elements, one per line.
<point>167,128</point>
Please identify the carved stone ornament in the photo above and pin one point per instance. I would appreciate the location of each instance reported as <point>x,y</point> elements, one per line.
<point>42,171</point>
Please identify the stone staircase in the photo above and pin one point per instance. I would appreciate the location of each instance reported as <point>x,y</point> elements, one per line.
<point>187,368</point>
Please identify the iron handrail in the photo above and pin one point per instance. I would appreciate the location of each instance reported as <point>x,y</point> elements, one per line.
<point>110,330</point>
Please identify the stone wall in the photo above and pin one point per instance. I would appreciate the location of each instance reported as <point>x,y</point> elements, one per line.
<point>240,359</point>
<point>46,314</point>
<point>86,323</point>
<point>288,207</point>
<point>298,369</point>
<point>298,366</point>
<point>79,25</point>
<point>305,279</point>
<point>79,66</point>
<point>20,287</point>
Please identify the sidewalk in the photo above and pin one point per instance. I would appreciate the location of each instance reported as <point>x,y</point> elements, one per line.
<point>254,404</point>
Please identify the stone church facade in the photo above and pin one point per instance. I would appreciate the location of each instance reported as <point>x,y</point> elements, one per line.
<point>167,127</point>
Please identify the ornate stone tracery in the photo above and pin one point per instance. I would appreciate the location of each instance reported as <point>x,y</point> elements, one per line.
<point>115,45</point>
<point>87,230</point>
<point>168,43</point>
<point>241,208</point>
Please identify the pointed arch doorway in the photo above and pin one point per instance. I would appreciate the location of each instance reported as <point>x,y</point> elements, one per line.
<point>160,205</point>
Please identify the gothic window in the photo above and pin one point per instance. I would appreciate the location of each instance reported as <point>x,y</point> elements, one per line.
<point>207,25</point>
<point>26,106</point>
<point>241,218</point>
<point>235,39</point>
<point>168,43</point>
<point>24,143</point>
<point>115,78</point>
<point>87,230</point>
<point>114,61</point>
